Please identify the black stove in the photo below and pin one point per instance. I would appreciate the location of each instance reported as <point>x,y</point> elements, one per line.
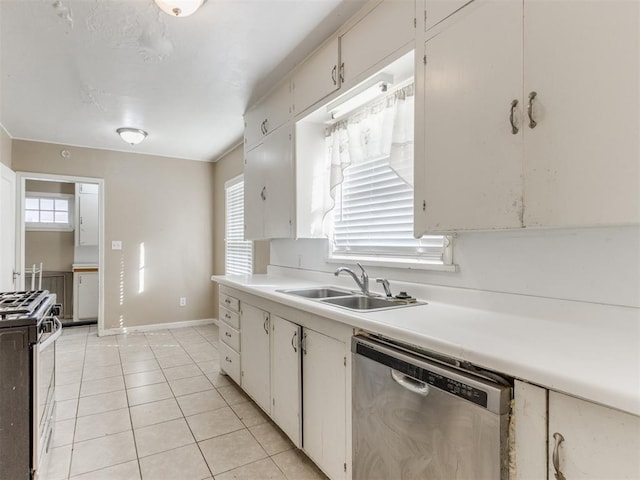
<point>18,309</point>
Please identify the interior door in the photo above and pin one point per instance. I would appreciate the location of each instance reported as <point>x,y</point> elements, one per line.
<point>7,228</point>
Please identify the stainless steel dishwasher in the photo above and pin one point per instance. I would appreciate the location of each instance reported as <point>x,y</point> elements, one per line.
<point>416,418</point>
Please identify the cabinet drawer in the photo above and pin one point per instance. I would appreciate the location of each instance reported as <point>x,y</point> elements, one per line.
<point>230,318</point>
<point>230,336</point>
<point>229,302</point>
<point>230,362</point>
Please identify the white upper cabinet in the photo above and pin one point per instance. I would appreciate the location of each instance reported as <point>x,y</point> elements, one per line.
<point>269,187</point>
<point>88,215</point>
<point>530,123</point>
<point>381,32</point>
<point>267,115</point>
<point>317,77</point>
<point>583,157</point>
<point>471,175</point>
<point>591,442</point>
<point>438,10</point>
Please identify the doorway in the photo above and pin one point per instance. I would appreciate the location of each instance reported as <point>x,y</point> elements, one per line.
<point>59,242</point>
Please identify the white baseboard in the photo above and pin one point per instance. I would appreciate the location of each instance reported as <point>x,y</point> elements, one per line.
<point>157,326</point>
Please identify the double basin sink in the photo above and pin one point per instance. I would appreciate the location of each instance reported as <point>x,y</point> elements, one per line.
<point>350,300</point>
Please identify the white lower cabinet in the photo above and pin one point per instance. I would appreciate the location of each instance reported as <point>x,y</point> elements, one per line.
<point>560,437</point>
<point>229,345</point>
<point>255,355</point>
<point>592,442</point>
<point>324,402</point>
<point>86,293</point>
<point>286,378</point>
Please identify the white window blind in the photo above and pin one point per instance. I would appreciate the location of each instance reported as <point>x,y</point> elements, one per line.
<point>373,216</point>
<point>238,251</point>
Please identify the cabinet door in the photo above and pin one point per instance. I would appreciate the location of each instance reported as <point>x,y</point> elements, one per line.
<point>88,215</point>
<point>317,77</point>
<point>286,377</point>
<point>471,175</point>
<point>277,108</point>
<point>87,292</point>
<point>278,178</point>
<point>581,160</point>
<point>254,119</point>
<point>254,188</point>
<point>384,30</point>
<point>254,355</point>
<point>438,10</point>
<point>324,402</point>
<point>599,442</point>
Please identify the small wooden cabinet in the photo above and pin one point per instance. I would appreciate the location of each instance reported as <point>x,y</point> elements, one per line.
<point>85,294</point>
<point>528,117</point>
<point>269,187</point>
<point>255,353</point>
<point>88,215</point>
<point>558,434</point>
<point>592,442</point>
<point>385,29</point>
<point>324,402</point>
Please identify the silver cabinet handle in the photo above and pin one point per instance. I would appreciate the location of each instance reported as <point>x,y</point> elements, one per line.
<point>227,334</point>
<point>263,193</point>
<point>227,301</point>
<point>266,125</point>
<point>556,456</point>
<point>342,72</point>
<point>304,343</point>
<point>532,122</point>
<point>334,73</point>
<point>228,359</point>
<point>512,120</point>
<point>294,341</point>
<point>227,316</point>
<point>265,325</point>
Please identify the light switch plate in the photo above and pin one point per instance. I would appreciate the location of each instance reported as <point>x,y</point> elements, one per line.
<point>116,245</point>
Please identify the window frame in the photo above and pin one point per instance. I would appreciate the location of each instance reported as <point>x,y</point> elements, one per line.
<point>230,184</point>
<point>50,226</point>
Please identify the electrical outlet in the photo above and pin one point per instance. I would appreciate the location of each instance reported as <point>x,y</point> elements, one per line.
<point>116,245</point>
<point>183,301</point>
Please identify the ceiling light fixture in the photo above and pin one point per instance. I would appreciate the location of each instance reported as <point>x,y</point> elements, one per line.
<point>132,136</point>
<point>360,95</point>
<point>179,8</point>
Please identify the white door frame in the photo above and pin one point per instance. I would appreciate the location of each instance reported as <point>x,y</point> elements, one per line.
<point>21,183</point>
<point>7,237</point>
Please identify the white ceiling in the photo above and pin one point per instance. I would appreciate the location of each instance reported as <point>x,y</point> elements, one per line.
<point>72,71</point>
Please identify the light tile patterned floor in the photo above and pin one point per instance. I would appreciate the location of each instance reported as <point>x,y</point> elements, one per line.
<point>155,406</point>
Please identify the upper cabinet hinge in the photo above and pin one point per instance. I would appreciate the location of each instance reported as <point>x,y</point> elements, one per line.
<point>424,59</point>
<point>345,467</point>
<point>415,23</point>
<point>345,361</point>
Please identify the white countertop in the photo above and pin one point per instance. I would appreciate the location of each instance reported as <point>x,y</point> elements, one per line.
<point>583,349</point>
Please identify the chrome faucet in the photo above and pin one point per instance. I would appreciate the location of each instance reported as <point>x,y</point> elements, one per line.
<point>363,281</point>
<point>385,285</point>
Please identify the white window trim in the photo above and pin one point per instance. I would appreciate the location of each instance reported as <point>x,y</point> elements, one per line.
<point>52,227</point>
<point>228,184</point>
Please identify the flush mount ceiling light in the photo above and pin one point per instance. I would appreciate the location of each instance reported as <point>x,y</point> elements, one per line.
<point>132,136</point>
<point>179,8</point>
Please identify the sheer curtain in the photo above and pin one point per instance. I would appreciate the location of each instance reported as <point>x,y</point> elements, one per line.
<point>383,128</point>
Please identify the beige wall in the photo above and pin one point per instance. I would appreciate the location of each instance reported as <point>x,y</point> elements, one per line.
<point>5,147</point>
<point>228,167</point>
<point>166,204</point>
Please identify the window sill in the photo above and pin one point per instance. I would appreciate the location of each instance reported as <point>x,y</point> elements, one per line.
<point>410,263</point>
<point>48,229</point>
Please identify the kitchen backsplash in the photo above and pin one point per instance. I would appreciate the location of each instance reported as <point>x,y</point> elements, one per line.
<point>599,265</point>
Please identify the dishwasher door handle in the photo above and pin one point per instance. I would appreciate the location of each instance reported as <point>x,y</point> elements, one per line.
<point>411,384</point>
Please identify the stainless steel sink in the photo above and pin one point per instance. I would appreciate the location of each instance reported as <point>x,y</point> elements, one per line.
<point>320,292</point>
<point>360,302</point>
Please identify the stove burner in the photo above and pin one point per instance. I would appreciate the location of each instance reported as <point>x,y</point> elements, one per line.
<point>20,303</point>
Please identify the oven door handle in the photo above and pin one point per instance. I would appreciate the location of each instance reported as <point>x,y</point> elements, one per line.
<point>53,337</point>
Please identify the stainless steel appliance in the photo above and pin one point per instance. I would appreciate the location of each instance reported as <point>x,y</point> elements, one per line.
<point>29,328</point>
<point>415,417</point>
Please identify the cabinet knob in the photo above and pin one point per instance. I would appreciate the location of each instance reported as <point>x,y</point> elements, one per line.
<point>556,456</point>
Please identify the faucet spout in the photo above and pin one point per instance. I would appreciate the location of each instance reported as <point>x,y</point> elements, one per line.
<point>362,282</point>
